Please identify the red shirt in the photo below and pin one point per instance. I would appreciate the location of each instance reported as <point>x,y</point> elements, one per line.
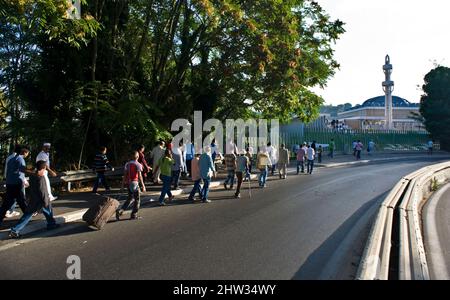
<point>133,168</point>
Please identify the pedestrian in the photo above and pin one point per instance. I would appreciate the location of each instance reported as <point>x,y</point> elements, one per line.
<point>44,155</point>
<point>146,169</point>
<point>157,153</point>
<point>370,147</point>
<point>249,155</point>
<point>207,171</point>
<point>359,147</point>
<point>15,183</point>
<point>319,154</point>
<point>242,165</point>
<point>39,199</point>
<point>262,163</point>
<point>131,179</point>
<point>430,147</point>
<point>310,154</point>
<point>195,175</point>
<point>165,164</point>
<point>331,147</point>
<point>230,166</point>
<point>283,161</point>
<point>273,155</point>
<point>354,143</point>
<point>295,149</point>
<point>190,153</point>
<point>301,154</point>
<point>12,211</point>
<point>313,146</point>
<point>214,150</point>
<point>178,166</point>
<point>101,165</point>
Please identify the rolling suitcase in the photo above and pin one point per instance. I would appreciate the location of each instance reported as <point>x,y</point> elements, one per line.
<point>99,214</point>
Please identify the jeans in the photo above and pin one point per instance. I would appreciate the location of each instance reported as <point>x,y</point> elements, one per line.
<point>240,177</point>
<point>189,166</point>
<point>319,158</point>
<point>133,193</point>
<point>167,182</point>
<point>273,169</point>
<point>358,154</point>
<point>176,178</point>
<point>262,177</point>
<point>310,166</point>
<point>26,218</point>
<point>302,164</point>
<point>196,189</point>
<point>331,154</point>
<point>230,178</point>
<point>14,192</point>
<point>100,179</point>
<point>205,190</point>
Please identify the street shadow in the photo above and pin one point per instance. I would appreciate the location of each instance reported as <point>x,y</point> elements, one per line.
<point>313,266</point>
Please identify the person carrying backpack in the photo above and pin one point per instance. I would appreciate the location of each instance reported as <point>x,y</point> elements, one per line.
<point>262,163</point>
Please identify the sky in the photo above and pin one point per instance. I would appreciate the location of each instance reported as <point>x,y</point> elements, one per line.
<point>415,34</point>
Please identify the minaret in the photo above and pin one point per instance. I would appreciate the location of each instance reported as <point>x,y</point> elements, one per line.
<point>388,88</point>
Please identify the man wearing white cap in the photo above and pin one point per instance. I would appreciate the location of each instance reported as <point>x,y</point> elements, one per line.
<point>44,155</point>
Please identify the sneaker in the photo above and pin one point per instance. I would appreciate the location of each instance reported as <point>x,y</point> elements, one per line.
<point>35,214</point>
<point>53,199</point>
<point>14,235</point>
<point>237,196</point>
<point>12,215</point>
<point>135,217</point>
<point>171,198</point>
<point>54,226</point>
<point>162,204</point>
<point>225,186</point>
<point>118,214</point>
<point>206,201</point>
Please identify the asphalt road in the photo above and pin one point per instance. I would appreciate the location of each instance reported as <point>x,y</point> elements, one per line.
<point>437,234</point>
<point>305,227</point>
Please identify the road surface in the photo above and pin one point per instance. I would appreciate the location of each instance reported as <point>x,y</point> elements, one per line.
<point>305,227</point>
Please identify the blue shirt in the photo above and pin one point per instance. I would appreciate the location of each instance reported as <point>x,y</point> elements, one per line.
<point>206,165</point>
<point>15,174</point>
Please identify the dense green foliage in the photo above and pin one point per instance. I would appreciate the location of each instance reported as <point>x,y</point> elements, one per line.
<point>123,72</point>
<point>435,105</point>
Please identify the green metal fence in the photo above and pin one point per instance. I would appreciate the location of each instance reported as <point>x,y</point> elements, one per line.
<point>384,140</point>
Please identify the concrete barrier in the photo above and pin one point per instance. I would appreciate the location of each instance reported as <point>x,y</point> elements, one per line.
<point>406,200</point>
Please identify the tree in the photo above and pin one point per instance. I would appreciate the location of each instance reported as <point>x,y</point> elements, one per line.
<point>123,72</point>
<point>435,105</point>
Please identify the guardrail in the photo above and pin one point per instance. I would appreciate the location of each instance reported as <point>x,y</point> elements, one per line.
<point>68,177</point>
<point>400,211</point>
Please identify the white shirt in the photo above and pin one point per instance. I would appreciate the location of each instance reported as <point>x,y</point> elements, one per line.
<point>310,153</point>
<point>43,156</point>
<point>272,154</point>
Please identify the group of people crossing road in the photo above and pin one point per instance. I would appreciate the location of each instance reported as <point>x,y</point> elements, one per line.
<point>168,163</point>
